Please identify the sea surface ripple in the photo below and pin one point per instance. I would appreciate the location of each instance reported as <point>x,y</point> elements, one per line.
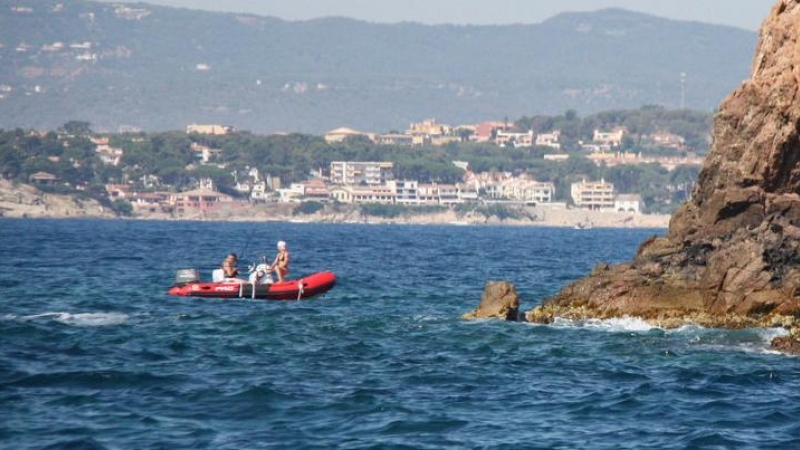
<point>95,355</point>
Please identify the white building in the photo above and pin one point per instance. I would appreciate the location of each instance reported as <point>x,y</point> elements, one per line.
<point>259,192</point>
<point>611,138</point>
<point>516,140</point>
<point>205,153</point>
<point>210,129</point>
<point>406,192</point>
<point>394,139</point>
<point>340,134</point>
<point>628,203</point>
<point>448,194</point>
<point>467,193</point>
<point>524,190</point>
<point>353,173</point>
<point>109,155</point>
<point>668,140</point>
<point>294,193</point>
<point>549,140</point>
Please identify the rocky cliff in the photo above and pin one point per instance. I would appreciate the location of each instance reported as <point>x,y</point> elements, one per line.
<point>19,200</point>
<point>732,253</point>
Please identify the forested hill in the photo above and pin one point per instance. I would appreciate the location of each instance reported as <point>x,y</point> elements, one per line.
<point>139,66</point>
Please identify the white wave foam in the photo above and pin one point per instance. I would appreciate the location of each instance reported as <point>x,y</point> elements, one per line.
<point>427,318</point>
<point>687,329</point>
<point>749,340</point>
<point>81,319</point>
<point>768,334</point>
<point>614,325</point>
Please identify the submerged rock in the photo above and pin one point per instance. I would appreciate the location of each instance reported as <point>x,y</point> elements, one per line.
<point>731,257</point>
<point>499,301</point>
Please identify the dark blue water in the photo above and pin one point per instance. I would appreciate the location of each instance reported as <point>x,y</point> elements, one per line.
<point>93,354</point>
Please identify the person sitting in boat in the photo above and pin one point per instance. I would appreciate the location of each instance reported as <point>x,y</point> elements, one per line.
<point>229,270</point>
<point>281,263</point>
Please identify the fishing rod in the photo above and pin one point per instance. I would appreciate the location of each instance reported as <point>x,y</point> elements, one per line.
<point>253,266</point>
<point>247,243</point>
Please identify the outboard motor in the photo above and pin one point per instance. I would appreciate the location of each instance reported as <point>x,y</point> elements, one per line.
<point>261,274</point>
<point>186,276</point>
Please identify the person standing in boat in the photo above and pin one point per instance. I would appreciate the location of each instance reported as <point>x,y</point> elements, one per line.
<point>229,270</point>
<point>281,263</point>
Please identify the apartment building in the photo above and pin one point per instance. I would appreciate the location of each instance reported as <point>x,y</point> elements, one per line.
<point>522,189</point>
<point>356,172</point>
<point>448,194</point>
<point>406,191</point>
<point>594,195</point>
<point>372,194</point>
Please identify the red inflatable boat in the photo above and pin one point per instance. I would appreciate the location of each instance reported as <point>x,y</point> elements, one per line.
<point>306,287</point>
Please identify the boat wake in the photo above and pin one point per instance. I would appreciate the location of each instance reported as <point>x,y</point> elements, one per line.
<point>78,320</point>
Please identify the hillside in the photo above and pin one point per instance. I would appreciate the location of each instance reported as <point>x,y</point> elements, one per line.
<point>154,68</point>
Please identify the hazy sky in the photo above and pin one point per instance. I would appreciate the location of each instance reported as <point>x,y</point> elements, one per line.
<point>739,13</point>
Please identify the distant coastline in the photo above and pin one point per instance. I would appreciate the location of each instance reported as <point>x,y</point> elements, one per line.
<point>24,201</point>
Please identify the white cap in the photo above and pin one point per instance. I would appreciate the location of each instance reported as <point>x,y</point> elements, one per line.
<point>281,245</point>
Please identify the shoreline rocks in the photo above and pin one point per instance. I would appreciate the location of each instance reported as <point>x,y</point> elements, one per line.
<point>731,257</point>
<point>499,301</point>
<point>18,200</point>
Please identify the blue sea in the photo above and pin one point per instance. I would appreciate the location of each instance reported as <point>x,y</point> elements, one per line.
<point>95,355</point>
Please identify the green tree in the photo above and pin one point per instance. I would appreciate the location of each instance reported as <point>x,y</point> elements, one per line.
<point>122,207</point>
<point>77,127</point>
<point>307,208</point>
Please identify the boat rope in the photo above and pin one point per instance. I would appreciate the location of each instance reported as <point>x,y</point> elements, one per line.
<point>240,290</point>
<point>299,289</point>
<point>253,293</point>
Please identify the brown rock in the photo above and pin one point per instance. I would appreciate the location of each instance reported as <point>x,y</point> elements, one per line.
<point>731,256</point>
<point>499,301</point>
<point>786,344</point>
